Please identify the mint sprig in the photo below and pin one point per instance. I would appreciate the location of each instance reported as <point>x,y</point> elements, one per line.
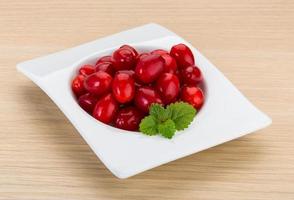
<point>148,125</point>
<point>167,129</point>
<point>166,121</point>
<point>182,114</point>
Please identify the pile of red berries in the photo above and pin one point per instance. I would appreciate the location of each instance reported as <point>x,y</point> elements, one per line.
<point>120,88</point>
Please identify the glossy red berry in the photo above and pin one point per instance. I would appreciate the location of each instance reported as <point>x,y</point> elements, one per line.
<point>149,68</point>
<point>105,109</point>
<point>183,55</point>
<point>77,85</point>
<point>98,83</point>
<point>87,102</point>
<point>159,52</point>
<point>86,70</point>
<point>170,64</point>
<point>128,118</point>
<point>123,87</point>
<point>106,67</point>
<point>145,96</point>
<point>104,59</point>
<point>123,59</point>
<point>191,75</point>
<point>132,49</point>
<point>168,86</point>
<point>193,95</point>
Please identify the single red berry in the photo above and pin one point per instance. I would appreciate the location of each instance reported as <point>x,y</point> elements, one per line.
<point>123,87</point>
<point>77,85</point>
<point>132,49</point>
<point>144,97</point>
<point>168,86</point>
<point>170,64</point>
<point>123,59</point>
<point>183,55</point>
<point>104,59</point>
<point>159,52</point>
<point>128,118</point>
<point>86,70</point>
<point>191,75</point>
<point>141,56</point>
<point>88,102</point>
<point>193,95</point>
<point>98,83</point>
<point>105,109</point>
<point>149,68</point>
<point>106,67</point>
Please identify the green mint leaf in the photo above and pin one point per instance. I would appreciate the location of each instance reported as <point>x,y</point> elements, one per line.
<point>182,114</point>
<point>148,125</point>
<point>159,112</point>
<point>167,129</point>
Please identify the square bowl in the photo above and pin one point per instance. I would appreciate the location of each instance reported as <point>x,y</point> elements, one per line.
<point>226,114</point>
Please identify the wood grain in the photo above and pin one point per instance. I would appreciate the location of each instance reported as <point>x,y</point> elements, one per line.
<point>252,42</point>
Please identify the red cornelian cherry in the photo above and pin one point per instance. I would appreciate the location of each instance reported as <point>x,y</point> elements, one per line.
<point>191,75</point>
<point>128,118</point>
<point>87,102</point>
<point>145,96</point>
<point>193,95</point>
<point>106,67</point>
<point>104,59</point>
<point>135,53</point>
<point>105,109</point>
<point>123,87</point>
<point>77,85</point>
<point>168,86</point>
<point>159,52</point>
<point>149,68</point>
<point>86,70</point>
<point>123,59</point>
<point>98,83</point>
<point>183,55</point>
<point>170,65</point>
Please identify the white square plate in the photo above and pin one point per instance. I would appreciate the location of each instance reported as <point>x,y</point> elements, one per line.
<point>226,114</point>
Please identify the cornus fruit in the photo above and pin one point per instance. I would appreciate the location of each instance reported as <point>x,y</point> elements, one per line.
<point>183,55</point>
<point>87,102</point>
<point>98,83</point>
<point>77,85</point>
<point>106,109</point>
<point>193,95</point>
<point>149,68</point>
<point>123,59</point>
<point>191,75</point>
<point>128,118</point>
<point>168,86</point>
<point>123,87</point>
<point>155,92</point>
<point>145,96</point>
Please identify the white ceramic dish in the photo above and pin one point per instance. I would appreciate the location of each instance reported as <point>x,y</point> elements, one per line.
<point>226,115</point>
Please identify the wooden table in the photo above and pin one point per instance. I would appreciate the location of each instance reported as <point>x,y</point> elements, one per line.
<point>252,42</point>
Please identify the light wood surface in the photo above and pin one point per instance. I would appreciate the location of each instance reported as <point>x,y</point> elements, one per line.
<point>252,42</point>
